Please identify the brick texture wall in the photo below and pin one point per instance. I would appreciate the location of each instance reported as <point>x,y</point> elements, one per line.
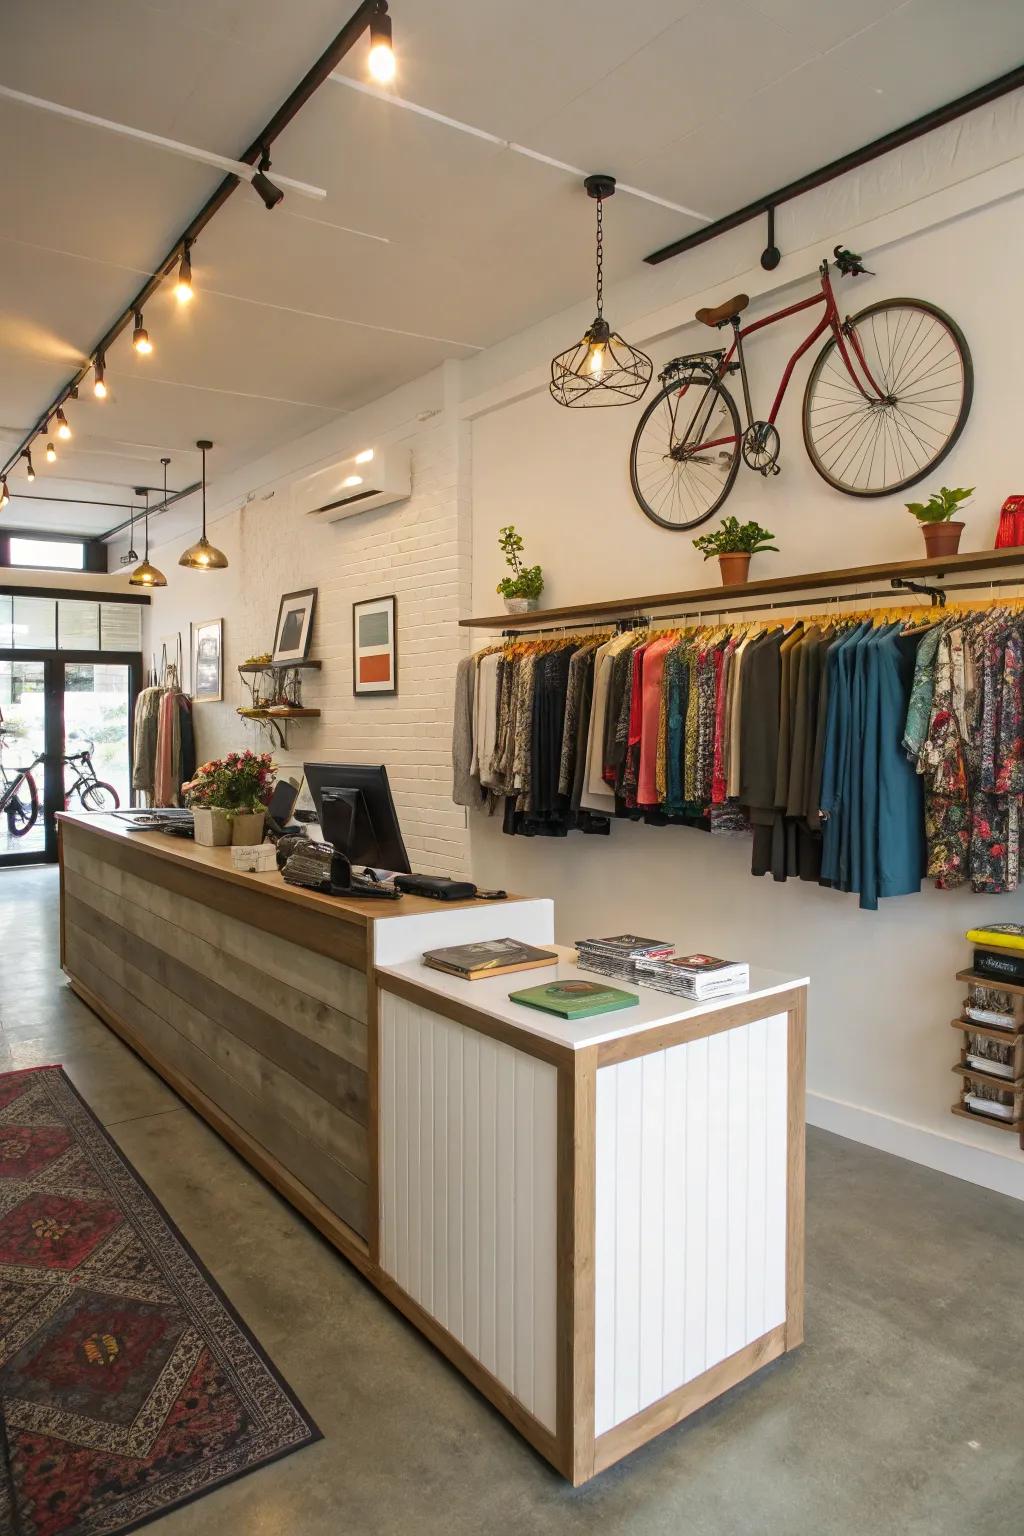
<point>420,550</point>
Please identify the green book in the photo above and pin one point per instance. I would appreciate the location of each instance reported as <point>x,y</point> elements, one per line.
<point>575,999</point>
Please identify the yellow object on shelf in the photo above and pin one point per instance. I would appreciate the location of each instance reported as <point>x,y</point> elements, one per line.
<point>998,936</point>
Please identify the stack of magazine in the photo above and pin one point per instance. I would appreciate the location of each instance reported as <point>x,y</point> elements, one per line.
<point>699,977</point>
<point>620,955</point>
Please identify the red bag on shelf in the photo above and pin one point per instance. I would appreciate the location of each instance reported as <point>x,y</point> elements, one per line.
<point>1011,523</point>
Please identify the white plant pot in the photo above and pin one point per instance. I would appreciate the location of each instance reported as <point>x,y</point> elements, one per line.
<point>212,827</point>
<point>520,604</point>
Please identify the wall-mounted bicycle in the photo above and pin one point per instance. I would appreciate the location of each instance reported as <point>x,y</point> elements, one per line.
<point>886,399</point>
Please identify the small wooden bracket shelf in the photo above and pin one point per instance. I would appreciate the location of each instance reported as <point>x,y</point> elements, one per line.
<point>772,586</point>
<point>264,711</point>
<point>1011,1041</point>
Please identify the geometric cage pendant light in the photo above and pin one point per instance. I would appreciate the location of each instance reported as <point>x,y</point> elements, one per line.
<point>146,574</point>
<point>203,556</point>
<point>602,368</point>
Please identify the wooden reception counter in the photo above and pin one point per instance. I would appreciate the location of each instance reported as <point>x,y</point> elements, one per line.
<point>599,1223</point>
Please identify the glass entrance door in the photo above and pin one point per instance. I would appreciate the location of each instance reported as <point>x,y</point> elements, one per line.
<point>67,720</point>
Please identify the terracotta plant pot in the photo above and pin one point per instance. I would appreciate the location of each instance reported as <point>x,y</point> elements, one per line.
<point>735,569</point>
<point>247,828</point>
<point>212,827</point>
<point>942,538</point>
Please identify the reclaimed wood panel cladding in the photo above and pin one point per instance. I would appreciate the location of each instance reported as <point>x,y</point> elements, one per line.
<point>468,1202</point>
<point>690,1237</point>
<point>264,1044</point>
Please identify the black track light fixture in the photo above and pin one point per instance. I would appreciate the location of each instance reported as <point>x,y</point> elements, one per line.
<point>140,336</point>
<point>30,473</point>
<point>5,494</point>
<point>382,54</point>
<point>270,193</point>
<point>99,387</point>
<point>183,285</point>
<point>63,430</point>
<point>202,556</point>
<point>51,454</point>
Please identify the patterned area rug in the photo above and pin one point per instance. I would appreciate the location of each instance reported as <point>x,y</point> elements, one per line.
<point>128,1383</point>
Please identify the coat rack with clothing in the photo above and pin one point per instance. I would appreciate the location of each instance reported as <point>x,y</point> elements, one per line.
<point>863,750</point>
<point>163,735</point>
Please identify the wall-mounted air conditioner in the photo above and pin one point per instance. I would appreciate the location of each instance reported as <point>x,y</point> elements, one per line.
<point>373,477</point>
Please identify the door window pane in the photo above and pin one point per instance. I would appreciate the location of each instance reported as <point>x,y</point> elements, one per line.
<point>121,626</point>
<point>6,614</point>
<point>78,626</point>
<point>22,702</point>
<point>35,623</point>
<point>96,721</point>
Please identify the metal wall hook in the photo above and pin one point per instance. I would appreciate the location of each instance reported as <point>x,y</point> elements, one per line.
<point>771,255</point>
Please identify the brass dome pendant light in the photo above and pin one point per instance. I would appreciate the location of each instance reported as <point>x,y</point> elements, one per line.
<point>203,556</point>
<point>147,575</point>
<point>602,368</point>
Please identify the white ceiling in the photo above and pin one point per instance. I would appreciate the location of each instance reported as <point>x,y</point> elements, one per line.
<point>298,317</point>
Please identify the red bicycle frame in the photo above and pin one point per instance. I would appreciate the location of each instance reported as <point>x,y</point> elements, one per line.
<point>829,321</point>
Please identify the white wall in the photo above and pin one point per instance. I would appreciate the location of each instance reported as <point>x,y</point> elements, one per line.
<point>417,550</point>
<point>883,989</point>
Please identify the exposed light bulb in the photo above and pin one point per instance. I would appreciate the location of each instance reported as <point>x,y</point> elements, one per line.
<point>183,286</point>
<point>51,454</point>
<point>382,56</point>
<point>352,480</point>
<point>30,473</point>
<point>99,387</point>
<point>63,430</point>
<point>365,456</point>
<point>597,358</point>
<point>5,494</point>
<point>140,336</point>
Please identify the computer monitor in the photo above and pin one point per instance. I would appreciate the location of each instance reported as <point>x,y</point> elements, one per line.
<point>357,814</point>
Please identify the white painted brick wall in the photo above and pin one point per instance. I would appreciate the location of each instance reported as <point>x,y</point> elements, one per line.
<point>421,552</point>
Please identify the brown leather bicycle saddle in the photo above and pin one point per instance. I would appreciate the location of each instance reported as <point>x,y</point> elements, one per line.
<point>721,312</point>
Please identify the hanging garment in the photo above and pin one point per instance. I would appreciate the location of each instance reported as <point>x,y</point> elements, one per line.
<point>465,787</point>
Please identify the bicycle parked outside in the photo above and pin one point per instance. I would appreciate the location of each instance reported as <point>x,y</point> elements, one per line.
<point>886,399</point>
<point>19,793</point>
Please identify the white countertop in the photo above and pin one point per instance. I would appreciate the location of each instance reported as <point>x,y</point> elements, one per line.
<point>654,1008</point>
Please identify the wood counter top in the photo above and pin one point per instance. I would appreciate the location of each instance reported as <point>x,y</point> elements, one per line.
<point>216,864</point>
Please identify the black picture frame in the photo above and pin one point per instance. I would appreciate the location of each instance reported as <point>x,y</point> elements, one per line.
<point>375,688</point>
<point>300,606</point>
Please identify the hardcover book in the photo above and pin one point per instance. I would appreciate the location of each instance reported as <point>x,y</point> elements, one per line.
<point>575,999</point>
<point>488,957</point>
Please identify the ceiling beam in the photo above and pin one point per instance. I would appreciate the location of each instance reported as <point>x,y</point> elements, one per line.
<point>161,506</point>
<point>314,77</point>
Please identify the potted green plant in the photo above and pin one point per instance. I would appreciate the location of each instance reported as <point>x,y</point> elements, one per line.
<point>522,589</point>
<point>936,516</point>
<point>734,543</point>
<point>229,797</point>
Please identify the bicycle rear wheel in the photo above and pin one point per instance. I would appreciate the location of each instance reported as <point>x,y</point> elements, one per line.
<point>23,811</point>
<point>98,796</point>
<point>686,452</point>
<point>921,363</point>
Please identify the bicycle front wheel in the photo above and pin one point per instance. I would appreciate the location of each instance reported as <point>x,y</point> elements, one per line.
<point>915,366</point>
<point>99,797</point>
<point>686,452</point>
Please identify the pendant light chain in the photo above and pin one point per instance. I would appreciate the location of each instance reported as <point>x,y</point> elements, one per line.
<point>600,258</point>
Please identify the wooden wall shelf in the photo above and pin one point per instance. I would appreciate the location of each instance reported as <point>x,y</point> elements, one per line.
<point>279,666</point>
<point>773,586</point>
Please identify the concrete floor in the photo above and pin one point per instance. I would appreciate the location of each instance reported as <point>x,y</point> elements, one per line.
<point>901,1414</point>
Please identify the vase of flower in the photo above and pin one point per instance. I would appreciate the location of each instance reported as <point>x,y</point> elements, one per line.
<point>212,826</point>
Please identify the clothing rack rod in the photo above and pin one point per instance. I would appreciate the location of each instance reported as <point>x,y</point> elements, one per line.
<point>823,603</point>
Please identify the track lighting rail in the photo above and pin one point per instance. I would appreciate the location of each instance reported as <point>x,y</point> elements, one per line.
<point>363,18</point>
<point>937,118</point>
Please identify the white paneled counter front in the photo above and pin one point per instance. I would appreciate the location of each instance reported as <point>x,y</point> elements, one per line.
<point>600,1221</point>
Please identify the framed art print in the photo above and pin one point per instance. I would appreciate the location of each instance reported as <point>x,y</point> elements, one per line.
<point>208,661</point>
<point>374,647</point>
<point>295,625</point>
